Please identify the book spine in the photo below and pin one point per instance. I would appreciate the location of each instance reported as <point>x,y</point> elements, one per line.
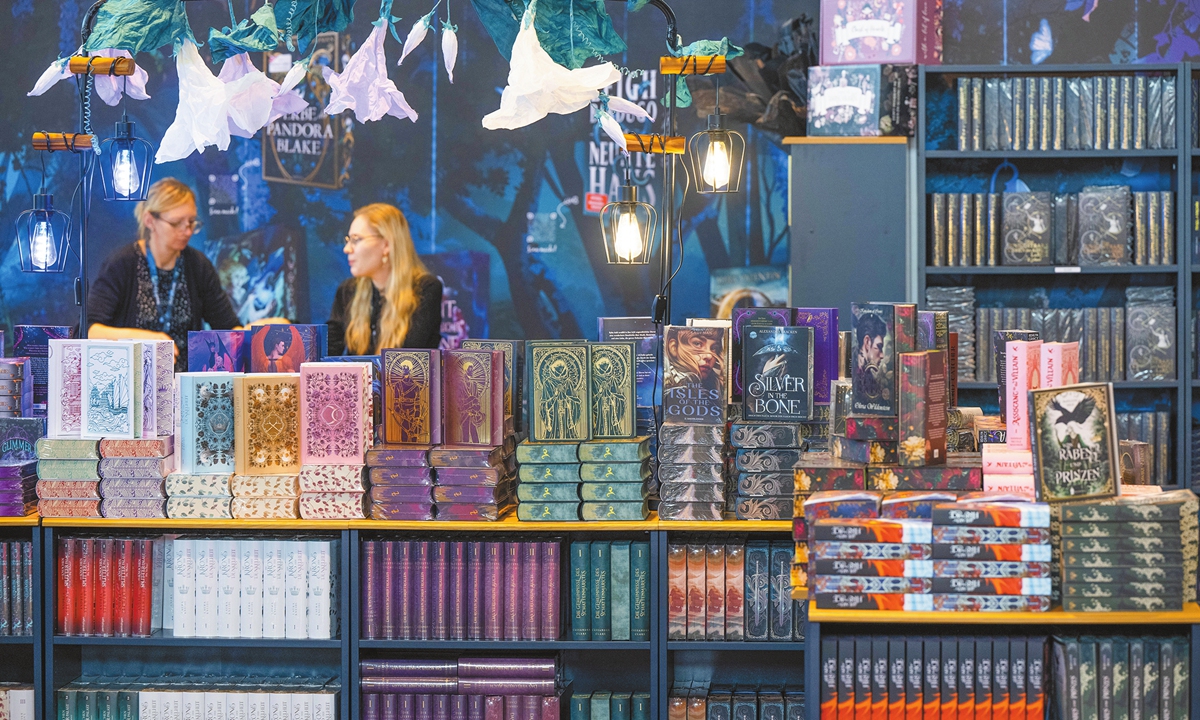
<point>295,587</point>
<point>439,625</point>
<point>1001,667</point>
<point>142,587</point>
<point>1139,111</point>
<point>735,564</point>
<point>493,604</point>
<point>599,590</point>
<point>475,590</point>
<point>937,229</point>
<point>639,592</point>
<point>914,664</point>
<point>1099,113</point>
<point>619,589</point>
<point>979,228</point>
<point>780,592</point>
<point>251,588</point>
<point>696,580</point>
<point>421,561</point>
<point>550,567</point>
<point>994,206</point>
<point>1113,96</point>
<point>757,591</point>
<point>84,583</point>
<point>1059,102</point>
<point>977,128</point>
<point>953,238</point>
<point>1167,202</point>
<point>399,573</point>
<point>1127,114</point>
<point>183,598</point>
<point>966,234</point>
<point>531,606</point>
<point>370,596</point>
<point>123,599</point>
<point>513,591</point>
<point>67,586</point>
<point>5,596</point>
<point>1018,113</point>
<point>964,113</point>
<point>458,589</point>
<point>320,588</point>
<point>676,591</point>
<point>931,698</point>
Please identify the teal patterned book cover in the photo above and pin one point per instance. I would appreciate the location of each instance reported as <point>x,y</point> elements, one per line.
<point>559,397</point>
<point>611,373</point>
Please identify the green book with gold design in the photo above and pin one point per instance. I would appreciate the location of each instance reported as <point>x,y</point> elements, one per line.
<point>620,511</point>
<point>615,472</point>
<point>548,512</point>
<point>547,452</point>
<point>559,395</point>
<point>634,449</point>
<point>613,385</point>
<point>548,492</point>
<point>613,492</point>
<point>556,473</point>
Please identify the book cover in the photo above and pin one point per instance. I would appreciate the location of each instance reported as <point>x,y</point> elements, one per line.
<point>1150,342</point>
<point>514,362</point>
<point>647,337</point>
<point>1074,442</point>
<point>335,413</point>
<point>612,379</point>
<point>283,348</point>
<point>1027,229</point>
<point>204,424</point>
<point>873,361</point>
<point>922,408</point>
<point>599,593</point>
<point>412,407</point>
<point>694,375</point>
<point>844,101</point>
<point>1104,237</point>
<point>64,388</point>
<point>742,320</point>
<point>217,351</point>
<point>266,408</point>
<point>112,385</point>
<point>559,391</point>
<point>778,365</point>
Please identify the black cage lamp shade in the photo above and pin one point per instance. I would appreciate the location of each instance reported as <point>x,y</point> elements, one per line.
<point>629,228</point>
<point>43,234</point>
<point>717,155</point>
<point>126,163</point>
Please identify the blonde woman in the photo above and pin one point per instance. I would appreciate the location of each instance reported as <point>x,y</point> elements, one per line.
<point>392,300</point>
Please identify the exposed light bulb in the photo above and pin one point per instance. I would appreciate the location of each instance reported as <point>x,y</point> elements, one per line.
<point>627,242</point>
<point>126,178</point>
<point>42,252</point>
<point>716,165</point>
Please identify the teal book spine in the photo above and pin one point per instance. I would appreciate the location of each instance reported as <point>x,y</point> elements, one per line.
<point>1183,687</point>
<point>548,473</point>
<point>548,512</point>
<point>85,705</point>
<point>619,707</point>
<point>127,705</point>
<point>66,701</point>
<point>632,450</point>
<point>612,492</point>
<point>614,472</point>
<point>621,511</point>
<point>602,702</point>
<point>581,604</point>
<point>639,591</point>
<point>106,705</point>
<point>601,562</point>
<point>1120,680</point>
<point>1150,694</point>
<point>547,492</point>
<point>1088,667</point>
<point>581,707</point>
<point>547,452</point>
<point>639,707</point>
<point>618,607</point>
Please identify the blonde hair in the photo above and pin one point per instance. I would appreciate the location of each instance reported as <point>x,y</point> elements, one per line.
<point>399,295</point>
<point>166,194</point>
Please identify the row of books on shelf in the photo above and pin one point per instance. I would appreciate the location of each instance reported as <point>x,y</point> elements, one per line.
<point>1098,226</point>
<point>1051,112</point>
<point>609,705</point>
<point>514,678</point>
<point>177,697</point>
<point>197,587</point>
<point>16,588</point>
<point>17,701</point>
<point>713,701</point>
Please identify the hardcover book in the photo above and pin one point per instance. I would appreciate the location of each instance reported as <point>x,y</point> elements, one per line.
<point>1104,225</point>
<point>1022,363</point>
<point>893,33</point>
<point>633,450</point>
<point>611,374</point>
<point>217,351</point>
<point>1027,229</point>
<point>33,342</point>
<point>283,348</point>
<point>1150,342</point>
<point>65,392</point>
<point>757,593</point>
<point>112,387</point>
<point>412,397</point>
<point>514,374</point>
<point>204,424</point>
<point>559,391</point>
<point>1074,442</point>
<point>335,413</point>
<point>266,411</point>
<point>742,320</point>
<point>647,336</point>
<point>873,359</point>
<point>694,375</point>
<point>778,365</point>
<point>922,408</point>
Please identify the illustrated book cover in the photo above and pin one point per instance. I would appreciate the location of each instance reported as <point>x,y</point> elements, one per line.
<point>412,397</point>
<point>559,394</point>
<point>266,411</point>
<point>335,413</point>
<point>282,348</point>
<point>112,387</point>
<point>1074,442</point>
<point>779,374</point>
<point>473,397</point>
<point>694,375</point>
<point>613,386</point>
<point>204,427</point>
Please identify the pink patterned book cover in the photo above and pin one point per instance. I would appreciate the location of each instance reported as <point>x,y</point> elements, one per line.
<point>64,383</point>
<point>69,508</point>
<point>473,397</point>
<point>164,387</point>
<point>335,413</point>
<point>333,506</point>
<point>155,447</point>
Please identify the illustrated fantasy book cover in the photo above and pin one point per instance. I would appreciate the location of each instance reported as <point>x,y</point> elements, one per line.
<point>1104,225</point>
<point>204,426</point>
<point>112,387</point>
<point>1074,442</point>
<point>612,376</point>
<point>282,348</point>
<point>33,341</point>
<point>779,373</point>
<point>217,351</point>
<point>743,319</point>
<point>412,397</point>
<point>694,377</point>
<point>514,373</point>
<point>335,413</point>
<point>64,407</point>
<point>647,337</point>
<point>922,408</point>
<point>1027,229</point>
<point>843,101</point>
<point>886,31</point>
<point>560,404</point>
<point>824,324</point>
<point>267,423</point>
<point>1150,342</point>
<point>873,359</point>
<point>473,397</point>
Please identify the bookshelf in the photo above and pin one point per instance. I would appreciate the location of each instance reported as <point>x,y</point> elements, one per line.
<point>1191,184</point>
<point>942,168</point>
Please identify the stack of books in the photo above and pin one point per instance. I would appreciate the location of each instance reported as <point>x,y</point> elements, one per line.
<point>205,443</point>
<point>189,494</point>
<point>1126,676</point>
<point>259,497</point>
<point>68,475</point>
<point>206,697</point>
<point>745,702</point>
<point>769,495</point>
<point>18,489</point>
<point>473,483</point>
<point>336,429</point>
<point>608,705</point>
<point>106,586</point>
<point>132,473</point>
<point>549,474</point>
<point>1008,471</point>
<point>614,475</point>
<point>18,699</point>
<point>610,585</point>
<point>991,556</point>
<point>871,564</point>
<point>266,410</point>
<point>692,472</point>
<point>530,687</point>
<point>16,387</point>
<point>647,339</point>
<point>401,482</point>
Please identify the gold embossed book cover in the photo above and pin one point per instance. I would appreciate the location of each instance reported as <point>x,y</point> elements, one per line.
<point>611,374</point>
<point>473,397</point>
<point>412,397</point>
<point>266,409</point>
<point>560,405</point>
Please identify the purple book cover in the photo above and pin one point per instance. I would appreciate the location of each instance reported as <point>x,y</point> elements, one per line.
<point>470,494</point>
<point>512,707</point>
<point>531,610</point>
<point>439,626</point>
<point>531,707</point>
<point>370,706</point>
<point>420,559</point>
<point>458,590</point>
<point>408,706</point>
<point>441,707</point>
<point>424,707</point>
<point>412,403</point>
<point>412,477</point>
<point>394,456</point>
<point>540,668</point>
<point>402,589</point>
<point>401,494</point>
<point>33,341</point>
<point>370,590</point>
<point>472,512</point>
<point>470,476</point>
<point>473,397</point>
<point>457,456</point>
<point>386,591</point>
<point>474,707</point>
<point>216,351</point>
<point>824,322</point>
<point>493,708</point>
<point>458,707</point>
<point>474,605</point>
<point>512,591</point>
<point>18,470</point>
<point>409,668</point>
<point>402,511</point>
<point>493,603</point>
<point>551,569</point>
<point>750,317</point>
<point>508,686</point>
<point>390,711</point>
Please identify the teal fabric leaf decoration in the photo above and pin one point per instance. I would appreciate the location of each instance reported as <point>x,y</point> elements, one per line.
<point>570,31</point>
<point>683,96</point>
<point>139,25</point>
<point>635,5</point>
<point>303,20</point>
<point>257,34</point>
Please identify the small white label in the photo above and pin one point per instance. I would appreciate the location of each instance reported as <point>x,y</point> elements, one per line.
<point>279,63</point>
<point>1067,269</point>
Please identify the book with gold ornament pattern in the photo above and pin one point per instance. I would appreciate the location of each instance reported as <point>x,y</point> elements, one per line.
<point>266,410</point>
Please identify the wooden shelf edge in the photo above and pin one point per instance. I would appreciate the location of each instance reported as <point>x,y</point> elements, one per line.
<point>727,525</point>
<point>1190,615</point>
<point>23,521</point>
<point>848,140</point>
<point>196,524</point>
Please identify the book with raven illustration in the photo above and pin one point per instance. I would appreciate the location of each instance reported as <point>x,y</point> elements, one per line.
<point>1074,442</point>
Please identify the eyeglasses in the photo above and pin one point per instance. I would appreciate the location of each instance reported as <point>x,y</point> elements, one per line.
<point>354,240</point>
<point>191,224</point>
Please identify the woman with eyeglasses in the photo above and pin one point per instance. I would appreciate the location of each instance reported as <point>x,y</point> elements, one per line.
<point>391,300</point>
<point>159,287</point>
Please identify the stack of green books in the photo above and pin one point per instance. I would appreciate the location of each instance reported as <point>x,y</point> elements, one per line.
<point>604,705</point>
<point>548,475</point>
<point>614,474</point>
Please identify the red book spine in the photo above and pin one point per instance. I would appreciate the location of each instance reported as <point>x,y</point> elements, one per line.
<point>66,586</point>
<point>85,587</point>
<point>143,565</point>
<point>104,587</point>
<point>123,595</point>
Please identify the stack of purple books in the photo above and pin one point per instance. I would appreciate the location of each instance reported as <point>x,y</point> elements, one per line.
<point>423,589</point>
<point>483,688</point>
<point>16,388</point>
<point>401,482</point>
<point>474,483</point>
<point>18,494</point>
<point>132,476</point>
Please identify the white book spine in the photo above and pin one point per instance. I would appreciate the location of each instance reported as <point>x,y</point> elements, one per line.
<point>184,612</point>
<point>177,435</point>
<point>214,706</point>
<point>229,584</point>
<point>320,580</point>
<point>281,706</point>
<point>193,705</point>
<point>160,549</point>
<point>324,705</point>
<point>302,706</point>
<point>206,588</point>
<point>273,589</point>
<point>252,588</point>
<point>235,706</point>
<point>168,581</point>
<point>148,357</point>
<point>170,705</point>
<point>20,703</point>
<point>148,704</point>
<point>258,705</point>
<point>295,585</point>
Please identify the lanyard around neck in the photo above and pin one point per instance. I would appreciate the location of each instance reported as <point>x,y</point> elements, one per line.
<point>164,313</point>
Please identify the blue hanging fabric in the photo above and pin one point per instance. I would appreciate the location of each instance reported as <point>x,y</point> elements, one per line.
<point>258,33</point>
<point>305,19</point>
<point>683,96</point>
<point>570,31</point>
<point>139,25</point>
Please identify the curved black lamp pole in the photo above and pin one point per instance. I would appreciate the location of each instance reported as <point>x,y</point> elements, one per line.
<point>661,309</point>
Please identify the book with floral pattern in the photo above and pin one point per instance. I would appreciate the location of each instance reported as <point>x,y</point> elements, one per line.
<point>267,423</point>
<point>335,413</point>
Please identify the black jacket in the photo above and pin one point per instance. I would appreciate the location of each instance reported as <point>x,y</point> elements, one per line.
<point>424,328</point>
